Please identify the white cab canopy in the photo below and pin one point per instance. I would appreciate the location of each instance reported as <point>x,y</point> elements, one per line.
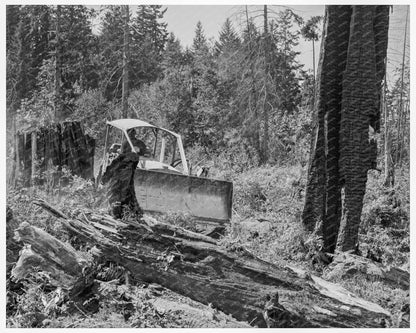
<point>127,123</point>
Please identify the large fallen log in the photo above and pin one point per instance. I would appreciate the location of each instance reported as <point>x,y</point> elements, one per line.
<point>42,252</point>
<point>230,279</point>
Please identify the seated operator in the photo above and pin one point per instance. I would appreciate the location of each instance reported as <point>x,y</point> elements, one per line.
<point>139,145</point>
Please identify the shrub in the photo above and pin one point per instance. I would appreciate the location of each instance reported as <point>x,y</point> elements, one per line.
<point>272,190</point>
<point>180,219</point>
<point>92,110</point>
<point>267,208</point>
<point>388,207</point>
<point>385,219</point>
<point>385,247</point>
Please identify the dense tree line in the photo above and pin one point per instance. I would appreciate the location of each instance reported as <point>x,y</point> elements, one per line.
<point>243,96</point>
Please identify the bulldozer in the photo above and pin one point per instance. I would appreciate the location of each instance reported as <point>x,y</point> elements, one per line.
<point>164,182</point>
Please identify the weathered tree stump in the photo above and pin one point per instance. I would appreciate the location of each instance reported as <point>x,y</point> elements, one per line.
<point>118,178</point>
<point>60,145</point>
<point>351,70</point>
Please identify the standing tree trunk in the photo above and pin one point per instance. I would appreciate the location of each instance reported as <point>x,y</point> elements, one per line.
<point>16,170</point>
<point>58,68</point>
<point>126,60</point>
<point>349,80</point>
<point>255,125</point>
<point>388,161</point>
<point>360,111</point>
<point>13,172</point>
<point>34,169</point>
<point>314,73</point>
<point>323,165</point>
<point>265,144</point>
<point>402,118</point>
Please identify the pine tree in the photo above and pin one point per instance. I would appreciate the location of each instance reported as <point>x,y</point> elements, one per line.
<point>310,32</point>
<point>173,55</point>
<point>285,66</point>
<point>199,44</point>
<point>228,40</point>
<point>79,47</point>
<point>31,47</point>
<point>149,40</point>
<point>50,46</point>
<point>12,59</point>
<point>110,46</point>
<point>73,48</point>
<point>12,77</point>
<point>228,53</point>
<point>12,23</point>
<point>148,26</point>
<point>268,85</point>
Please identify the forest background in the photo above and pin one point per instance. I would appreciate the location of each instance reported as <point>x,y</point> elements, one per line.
<point>222,95</point>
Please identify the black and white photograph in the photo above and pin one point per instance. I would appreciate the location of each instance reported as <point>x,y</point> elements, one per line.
<point>214,165</point>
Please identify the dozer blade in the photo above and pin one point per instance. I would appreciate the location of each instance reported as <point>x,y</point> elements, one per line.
<point>208,201</point>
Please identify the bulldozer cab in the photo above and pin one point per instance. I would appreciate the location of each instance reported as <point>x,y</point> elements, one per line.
<point>163,148</point>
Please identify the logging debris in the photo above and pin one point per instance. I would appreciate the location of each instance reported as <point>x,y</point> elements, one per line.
<point>232,281</point>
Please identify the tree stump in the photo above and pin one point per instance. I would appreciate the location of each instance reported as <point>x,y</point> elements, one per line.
<point>118,178</point>
<point>56,146</point>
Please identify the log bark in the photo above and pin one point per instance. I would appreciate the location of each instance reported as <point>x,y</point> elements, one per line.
<point>61,260</point>
<point>229,278</point>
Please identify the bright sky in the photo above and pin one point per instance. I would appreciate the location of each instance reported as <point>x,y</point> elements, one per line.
<point>182,20</point>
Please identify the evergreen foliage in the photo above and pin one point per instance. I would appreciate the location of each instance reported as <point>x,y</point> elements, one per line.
<point>244,94</point>
<point>228,40</point>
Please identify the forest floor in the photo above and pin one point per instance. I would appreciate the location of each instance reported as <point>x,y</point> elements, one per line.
<point>267,207</point>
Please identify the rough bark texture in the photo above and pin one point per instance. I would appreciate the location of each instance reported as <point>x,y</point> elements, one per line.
<point>360,110</point>
<point>58,67</point>
<point>388,157</point>
<point>126,60</point>
<point>62,261</point>
<point>62,145</point>
<point>230,279</point>
<point>12,247</point>
<point>351,69</point>
<point>66,268</point>
<point>118,178</point>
